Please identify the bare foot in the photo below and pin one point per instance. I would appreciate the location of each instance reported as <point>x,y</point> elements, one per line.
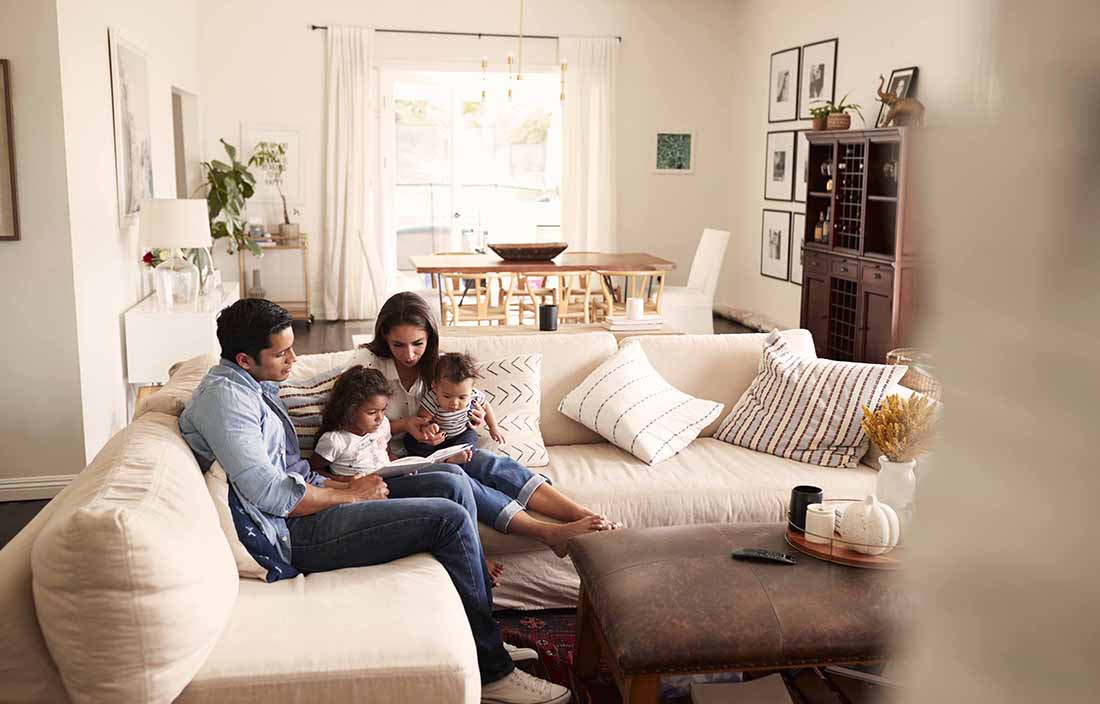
<point>495,570</point>
<point>557,534</point>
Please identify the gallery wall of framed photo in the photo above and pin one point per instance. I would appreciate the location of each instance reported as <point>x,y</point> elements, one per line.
<point>800,79</point>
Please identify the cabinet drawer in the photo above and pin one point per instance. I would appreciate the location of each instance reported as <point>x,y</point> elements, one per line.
<point>845,268</point>
<point>815,262</point>
<point>878,276</point>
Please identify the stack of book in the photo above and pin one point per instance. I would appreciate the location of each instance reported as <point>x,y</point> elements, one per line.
<point>621,323</point>
<point>266,241</point>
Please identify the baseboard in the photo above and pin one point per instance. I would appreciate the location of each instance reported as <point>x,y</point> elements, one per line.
<point>30,488</point>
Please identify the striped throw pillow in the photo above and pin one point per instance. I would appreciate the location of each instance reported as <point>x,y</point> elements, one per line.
<point>310,384</point>
<point>627,402</point>
<point>807,409</point>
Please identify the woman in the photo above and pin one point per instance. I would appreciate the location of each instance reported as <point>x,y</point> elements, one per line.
<point>406,345</point>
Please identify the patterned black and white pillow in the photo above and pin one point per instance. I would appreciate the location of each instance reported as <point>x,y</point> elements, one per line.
<point>627,402</point>
<point>511,386</point>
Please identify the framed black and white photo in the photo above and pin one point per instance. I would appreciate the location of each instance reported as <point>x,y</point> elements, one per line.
<point>802,166</point>
<point>779,166</point>
<point>798,233</point>
<point>903,84</point>
<point>775,244</point>
<point>818,82</point>
<point>783,86</point>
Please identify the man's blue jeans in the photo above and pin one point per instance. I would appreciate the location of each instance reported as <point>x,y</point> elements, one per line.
<point>433,512</point>
<point>502,487</point>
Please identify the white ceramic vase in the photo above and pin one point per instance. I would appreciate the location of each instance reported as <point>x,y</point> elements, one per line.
<point>897,488</point>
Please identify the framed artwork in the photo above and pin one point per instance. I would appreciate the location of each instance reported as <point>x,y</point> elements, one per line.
<point>802,166</point>
<point>775,244</point>
<point>818,81</point>
<point>130,102</point>
<point>9,202</point>
<point>271,185</point>
<point>798,234</point>
<point>783,85</point>
<point>675,153</point>
<point>779,166</point>
<point>903,83</point>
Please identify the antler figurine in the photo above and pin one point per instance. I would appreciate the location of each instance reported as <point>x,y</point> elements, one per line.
<point>903,111</point>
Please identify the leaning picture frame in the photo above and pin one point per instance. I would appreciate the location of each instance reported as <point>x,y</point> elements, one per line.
<point>9,195</point>
<point>783,85</point>
<point>775,244</point>
<point>903,81</point>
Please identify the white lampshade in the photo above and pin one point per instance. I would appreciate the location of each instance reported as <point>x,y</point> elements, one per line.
<point>174,222</point>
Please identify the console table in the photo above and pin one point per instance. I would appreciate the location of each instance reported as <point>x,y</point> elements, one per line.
<point>158,337</point>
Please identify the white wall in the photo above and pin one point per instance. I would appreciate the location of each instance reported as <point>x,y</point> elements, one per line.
<point>873,40</point>
<point>40,407</point>
<point>106,258</point>
<point>674,74</point>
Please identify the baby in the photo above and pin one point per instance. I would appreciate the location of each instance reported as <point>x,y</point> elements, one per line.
<point>448,404</point>
<point>354,429</point>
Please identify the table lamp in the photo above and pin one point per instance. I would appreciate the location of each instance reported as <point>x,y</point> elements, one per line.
<point>174,224</point>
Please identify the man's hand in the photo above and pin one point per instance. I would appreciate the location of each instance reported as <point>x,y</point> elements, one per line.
<point>367,487</point>
<point>425,431</point>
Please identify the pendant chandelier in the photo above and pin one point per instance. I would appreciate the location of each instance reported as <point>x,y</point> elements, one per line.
<point>512,61</point>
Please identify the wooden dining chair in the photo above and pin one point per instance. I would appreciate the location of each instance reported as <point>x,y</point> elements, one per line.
<point>647,285</point>
<point>582,298</point>
<point>476,298</point>
<point>532,290</point>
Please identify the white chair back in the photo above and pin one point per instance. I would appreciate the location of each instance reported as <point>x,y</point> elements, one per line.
<point>707,265</point>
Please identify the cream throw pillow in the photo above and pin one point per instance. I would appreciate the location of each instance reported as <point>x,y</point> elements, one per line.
<point>807,409</point>
<point>511,386</point>
<point>627,402</point>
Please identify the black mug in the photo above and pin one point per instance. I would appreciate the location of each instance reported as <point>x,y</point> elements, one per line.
<point>548,317</point>
<point>801,497</point>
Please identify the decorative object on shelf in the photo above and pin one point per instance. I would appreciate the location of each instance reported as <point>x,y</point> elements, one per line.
<point>818,83</point>
<point>130,103</point>
<point>775,244</point>
<point>820,116</point>
<point>779,166</point>
<point>802,167</point>
<point>921,376</point>
<point>820,523</point>
<point>870,527</point>
<point>798,233</point>
<point>675,153</point>
<point>256,228</point>
<point>783,85</point>
<point>529,251</point>
<point>175,224</point>
<point>899,106</point>
<point>256,290</point>
<point>9,199</point>
<point>228,188</point>
<point>802,497</point>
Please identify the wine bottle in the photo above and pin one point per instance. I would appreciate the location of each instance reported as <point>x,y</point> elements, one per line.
<point>819,227</point>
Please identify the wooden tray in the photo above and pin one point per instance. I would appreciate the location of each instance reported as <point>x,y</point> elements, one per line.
<point>833,552</point>
<point>529,252</point>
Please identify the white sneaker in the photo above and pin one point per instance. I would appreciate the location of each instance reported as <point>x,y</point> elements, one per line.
<point>522,688</point>
<point>521,654</point>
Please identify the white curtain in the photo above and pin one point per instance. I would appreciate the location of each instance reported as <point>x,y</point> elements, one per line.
<point>588,134</point>
<point>352,278</point>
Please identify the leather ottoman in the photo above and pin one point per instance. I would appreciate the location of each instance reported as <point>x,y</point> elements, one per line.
<point>671,600</point>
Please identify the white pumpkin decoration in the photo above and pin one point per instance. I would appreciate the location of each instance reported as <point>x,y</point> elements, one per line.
<point>871,526</point>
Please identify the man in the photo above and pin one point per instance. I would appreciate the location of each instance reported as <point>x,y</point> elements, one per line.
<point>312,524</point>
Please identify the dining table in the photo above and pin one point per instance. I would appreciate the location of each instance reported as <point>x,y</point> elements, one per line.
<point>608,263</point>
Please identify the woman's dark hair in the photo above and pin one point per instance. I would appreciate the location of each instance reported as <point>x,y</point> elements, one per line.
<point>247,326</point>
<point>407,308</point>
<point>456,368</point>
<point>354,387</point>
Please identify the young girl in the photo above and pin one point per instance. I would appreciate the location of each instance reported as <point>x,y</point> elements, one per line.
<point>448,404</point>
<point>354,430</point>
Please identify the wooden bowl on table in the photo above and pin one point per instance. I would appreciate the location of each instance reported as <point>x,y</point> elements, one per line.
<point>529,252</point>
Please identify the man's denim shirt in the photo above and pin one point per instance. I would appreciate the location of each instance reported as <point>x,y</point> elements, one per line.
<point>243,424</point>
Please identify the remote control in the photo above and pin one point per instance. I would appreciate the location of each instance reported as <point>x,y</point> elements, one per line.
<point>761,555</point>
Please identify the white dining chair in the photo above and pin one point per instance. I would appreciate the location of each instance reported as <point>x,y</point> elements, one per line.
<point>690,308</point>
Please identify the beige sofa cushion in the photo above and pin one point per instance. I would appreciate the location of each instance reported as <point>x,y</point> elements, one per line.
<point>715,367</point>
<point>389,633</point>
<point>173,396</point>
<point>133,580</point>
<point>567,358</point>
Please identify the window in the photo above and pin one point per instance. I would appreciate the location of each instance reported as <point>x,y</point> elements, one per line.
<point>469,170</point>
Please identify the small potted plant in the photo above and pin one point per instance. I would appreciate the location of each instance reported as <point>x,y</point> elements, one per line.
<point>270,157</point>
<point>820,115</point>
<point>902,429</point>
<point>836,114</point>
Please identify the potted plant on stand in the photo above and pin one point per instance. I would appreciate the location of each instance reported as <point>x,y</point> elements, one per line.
<point>836,114</point>
<point>271,157</point>
<point>228,188</point>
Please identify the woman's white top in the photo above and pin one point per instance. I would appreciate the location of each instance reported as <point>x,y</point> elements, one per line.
<point>403,403</point>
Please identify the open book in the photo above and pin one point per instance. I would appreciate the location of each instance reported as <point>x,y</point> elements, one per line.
<point>405,465</point>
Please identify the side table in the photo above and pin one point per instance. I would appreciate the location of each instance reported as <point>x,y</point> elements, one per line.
<point>299,310</point>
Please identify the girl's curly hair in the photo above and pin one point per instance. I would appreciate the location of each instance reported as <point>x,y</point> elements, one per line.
<point>354,387</point>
